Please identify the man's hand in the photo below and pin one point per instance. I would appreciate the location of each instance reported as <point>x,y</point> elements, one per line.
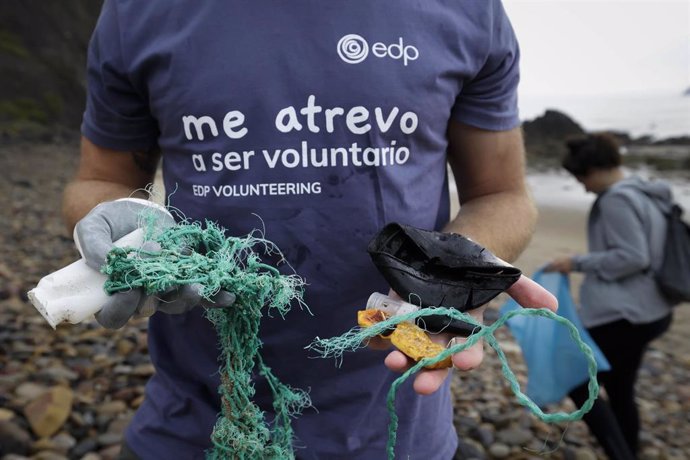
<point>561,265</point>
<point>497,212</point>
<point>110,221</point>
<point>525,291</point>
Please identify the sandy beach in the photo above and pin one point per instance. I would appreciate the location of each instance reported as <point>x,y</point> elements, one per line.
<point>104,372</point>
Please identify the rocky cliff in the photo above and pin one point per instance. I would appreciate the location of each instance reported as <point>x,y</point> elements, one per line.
<point>545,135</point>
<point>42,60</point>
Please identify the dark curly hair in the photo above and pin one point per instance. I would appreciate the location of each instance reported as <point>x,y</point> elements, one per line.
<point>593,151</point>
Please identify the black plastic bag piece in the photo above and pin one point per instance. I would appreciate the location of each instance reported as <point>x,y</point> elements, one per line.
<point>437,269</point>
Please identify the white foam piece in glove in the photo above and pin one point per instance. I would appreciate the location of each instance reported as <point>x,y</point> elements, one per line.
<point>75,292</point>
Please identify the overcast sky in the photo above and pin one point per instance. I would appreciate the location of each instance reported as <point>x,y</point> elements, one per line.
<point>586,47</point>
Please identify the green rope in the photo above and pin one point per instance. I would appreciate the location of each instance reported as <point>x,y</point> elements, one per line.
<point>191,254</point>
<point>358,337</point>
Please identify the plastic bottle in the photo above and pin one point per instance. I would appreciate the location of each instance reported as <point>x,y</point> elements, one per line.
<point>393,307</point>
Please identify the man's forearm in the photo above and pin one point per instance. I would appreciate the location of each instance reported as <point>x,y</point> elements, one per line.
<point>502,222</point>
<point>105,174</point>
<point>83,195</point>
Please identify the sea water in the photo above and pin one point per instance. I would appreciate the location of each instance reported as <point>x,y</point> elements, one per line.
<point>560,189</point>
<point>660,115</point>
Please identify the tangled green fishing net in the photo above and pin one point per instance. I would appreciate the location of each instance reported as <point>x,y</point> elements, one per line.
<point>358,337</point>
<point>190,253</point>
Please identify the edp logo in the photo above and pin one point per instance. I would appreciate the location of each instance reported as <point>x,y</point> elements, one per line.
<point>353,49</point>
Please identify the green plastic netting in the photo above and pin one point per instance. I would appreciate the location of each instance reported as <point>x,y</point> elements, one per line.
<point>358,337</point>
<point>192,253</point>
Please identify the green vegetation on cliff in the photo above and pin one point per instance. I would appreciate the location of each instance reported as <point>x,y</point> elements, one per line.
<point>42,61</point>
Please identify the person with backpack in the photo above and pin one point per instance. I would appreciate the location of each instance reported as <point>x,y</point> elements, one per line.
<point>622,304</point>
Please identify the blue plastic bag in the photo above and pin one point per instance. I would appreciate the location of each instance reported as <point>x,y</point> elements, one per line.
<point>555,363</point>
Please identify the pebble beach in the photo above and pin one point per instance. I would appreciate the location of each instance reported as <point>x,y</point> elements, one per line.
<point>69,393</point>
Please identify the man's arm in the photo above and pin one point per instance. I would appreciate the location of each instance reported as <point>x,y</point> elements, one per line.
<point>496,210</point>
<point>104,175</point>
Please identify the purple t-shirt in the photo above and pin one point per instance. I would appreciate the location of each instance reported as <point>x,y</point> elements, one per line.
<point>326,119</point>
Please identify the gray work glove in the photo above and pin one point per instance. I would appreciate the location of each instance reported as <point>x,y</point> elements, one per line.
<point>110,221</point>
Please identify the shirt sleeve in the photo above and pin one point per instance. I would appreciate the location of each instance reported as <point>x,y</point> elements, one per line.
<point>627,249</point>
<point>117,114</point>
<point>489,99</point>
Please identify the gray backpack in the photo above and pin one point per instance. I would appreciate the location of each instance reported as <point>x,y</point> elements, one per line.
<point>673,276</point>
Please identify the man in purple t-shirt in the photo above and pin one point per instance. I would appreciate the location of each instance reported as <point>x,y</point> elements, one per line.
<point>327,120</point>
